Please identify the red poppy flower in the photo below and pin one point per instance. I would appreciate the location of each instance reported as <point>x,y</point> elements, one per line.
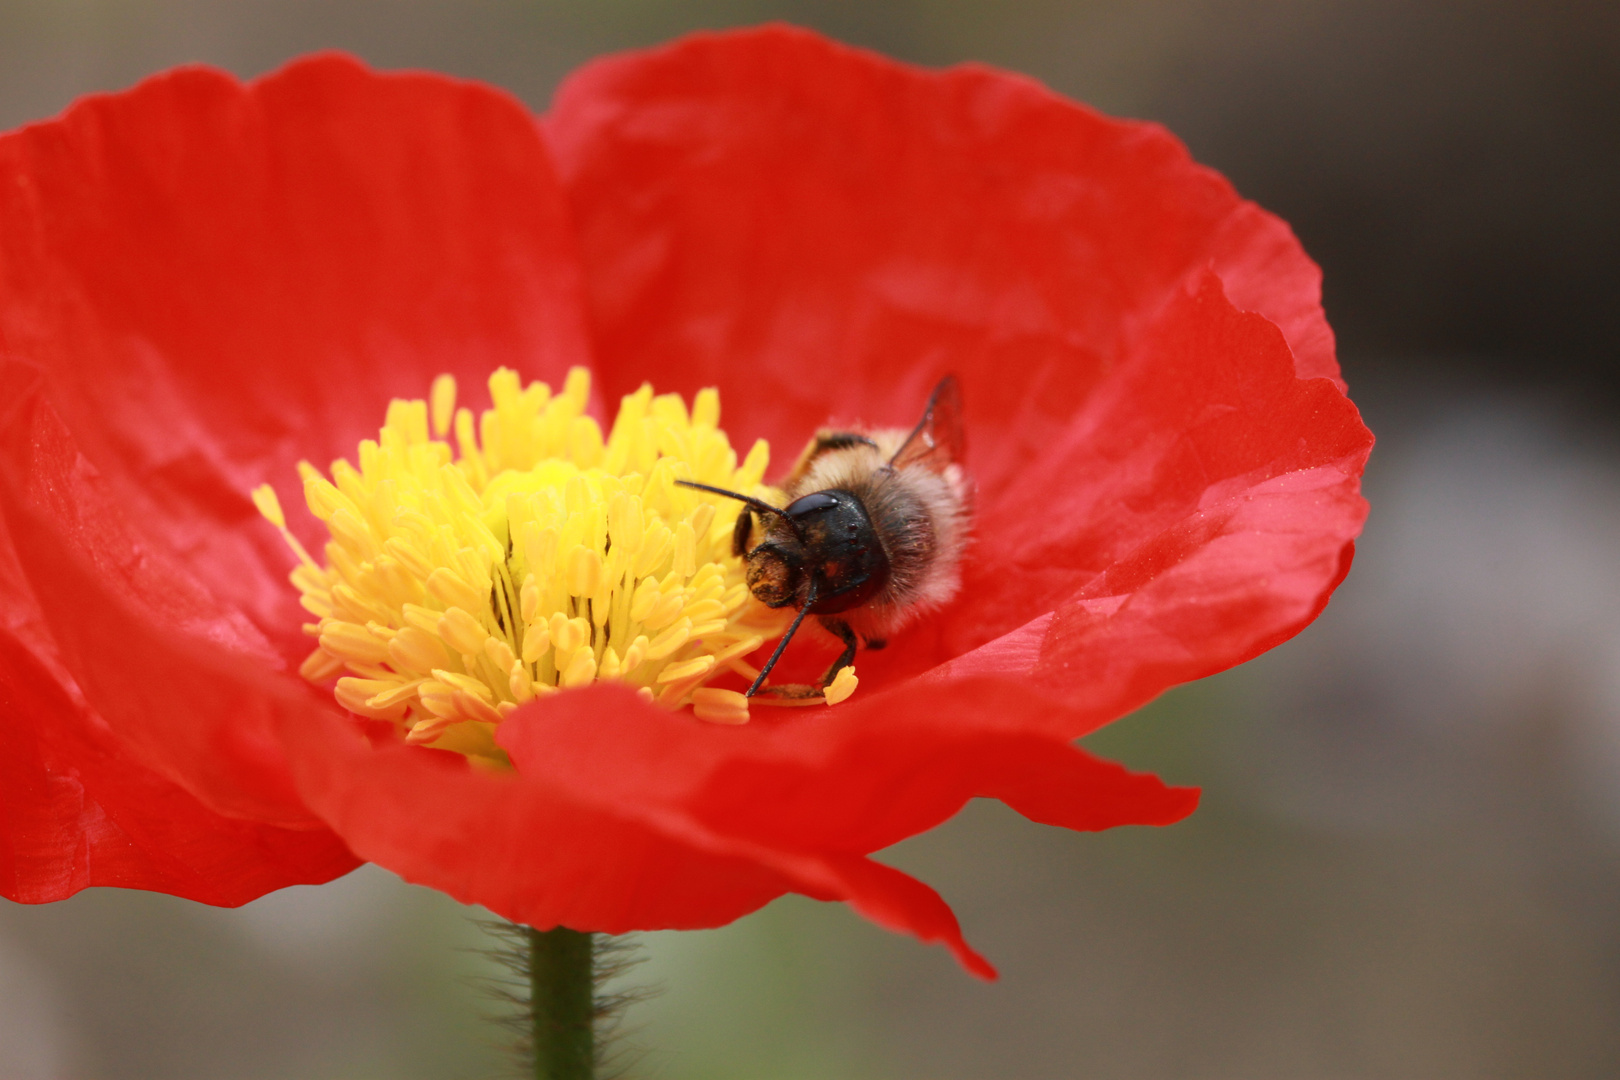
<point>202,282</point>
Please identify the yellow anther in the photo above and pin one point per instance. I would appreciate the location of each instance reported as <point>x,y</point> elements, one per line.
<point>474,707</point>
<point>698,665</point>
<point>581,669</point>
<point>706,408</point>
<point>325,499</point>
<point>702,517</point>
<point>719,706</point>
<point>437,698</point>
<point>424,619</point>
<point>754,466</point>
<point>704,610</point>
<point>472,459</point>
<point>462,632</point>
<point>670,640</point>
<point>577,389</point>
<point>413,649</point>
<point>464,683</point>
<point>353,643</point>
<point>452,589</point>
<point>355,694</point>
<point>521,685</point>
<point>406,420</point>
<point>541,548</point>
<point>499,653</point>
<point>635,654</point>
<point>308,578</point>
<point>585,441</point>
<point>645,598</point>
<point>505,391</point>
<point>443,401</point>
<point>665,611</point>
<point>320,665</point>
<point>567,635</point>
<point>350,530</point>
<point>409,556</point>
<point>685,550</point>
<point>675,694</point>
<point>739,648</point>
<point>529,599</point>
<point>264,497</point>
<point>624,523</point>
<point>398,694</point>
<point>535,642</point>
<point>426,730</point>
<point>709,579</point>
<point>584,571</point>
<point>843,685</point>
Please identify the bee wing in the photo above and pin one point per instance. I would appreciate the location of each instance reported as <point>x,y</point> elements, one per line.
<point>937,440</point>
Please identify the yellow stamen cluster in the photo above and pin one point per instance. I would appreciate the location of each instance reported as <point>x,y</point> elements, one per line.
<point>536,556</point>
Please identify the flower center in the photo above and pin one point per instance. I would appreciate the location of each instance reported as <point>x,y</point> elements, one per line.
<point>536,556</point>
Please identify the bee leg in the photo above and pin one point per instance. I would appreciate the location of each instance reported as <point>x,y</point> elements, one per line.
<point>793,628</point>
<point>847,657</point>
<point>739,534</point>
<point>792,692</point>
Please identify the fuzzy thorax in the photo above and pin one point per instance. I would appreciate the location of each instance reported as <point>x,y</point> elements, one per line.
<point>535,555</point>
<point>920,515</point>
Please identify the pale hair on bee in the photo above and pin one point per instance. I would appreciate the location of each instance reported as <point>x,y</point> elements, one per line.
<point>872,535</point>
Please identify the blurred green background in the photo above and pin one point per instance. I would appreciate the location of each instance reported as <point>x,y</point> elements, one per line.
<point>1407,863</point>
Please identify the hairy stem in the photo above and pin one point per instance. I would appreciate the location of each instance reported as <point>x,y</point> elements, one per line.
<point>562,1004</point>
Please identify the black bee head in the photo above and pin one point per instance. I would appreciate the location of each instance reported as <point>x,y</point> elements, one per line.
<point>839,547</point>
<point>825,538</point>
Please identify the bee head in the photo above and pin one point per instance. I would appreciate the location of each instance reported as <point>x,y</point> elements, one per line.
<point>825,537</point>
<point>836,545</point>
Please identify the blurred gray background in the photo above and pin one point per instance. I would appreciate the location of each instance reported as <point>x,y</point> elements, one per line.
<point>1408,859</point>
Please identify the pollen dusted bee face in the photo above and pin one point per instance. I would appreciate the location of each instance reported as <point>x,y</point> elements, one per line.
<point>774,574</point>
<point>827,539</point>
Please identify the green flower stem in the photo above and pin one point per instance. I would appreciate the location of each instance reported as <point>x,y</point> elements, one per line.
<point>562,1001</point>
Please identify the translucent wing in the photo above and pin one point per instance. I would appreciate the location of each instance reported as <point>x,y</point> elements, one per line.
<point>937,439</point>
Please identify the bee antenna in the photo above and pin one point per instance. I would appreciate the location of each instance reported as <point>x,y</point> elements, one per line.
<point>758,504</point>
<point>809,602</point>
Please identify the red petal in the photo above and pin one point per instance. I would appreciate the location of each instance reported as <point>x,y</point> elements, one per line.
<point>1201,512</point>
<point>810,226</point>
<point>216,280</point>
<point>76,810</point>
<point>179,677</point>
<point>623,816</point>
<point>221,279</point>
<point>858,778</point>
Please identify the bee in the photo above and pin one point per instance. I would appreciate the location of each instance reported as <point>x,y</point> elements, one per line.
<point>872,534</point>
